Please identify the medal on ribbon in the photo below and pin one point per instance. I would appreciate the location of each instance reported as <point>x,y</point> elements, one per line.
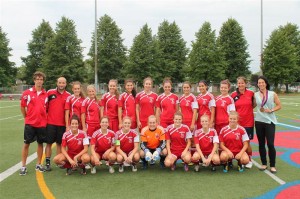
<point>264,101</point>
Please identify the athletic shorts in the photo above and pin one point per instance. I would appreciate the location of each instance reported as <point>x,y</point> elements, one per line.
<point>91,128</point>
<point>133,124</point>
<point>165,124</point>
<point>143,123</point>
<point>249,131</point>
<point>177,154</point>
<point>32,134</point>
<point>219,127</point>
<point>114,125</point>
<point>55,133</point>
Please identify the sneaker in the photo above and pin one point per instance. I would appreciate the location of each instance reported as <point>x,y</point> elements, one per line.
<point>111,169</point>
<point>230,165</point>
<point>126,164</point>
<point>69,171</point>
<point>213,168</point>
<point>134,167</point>
<point>39,168</point>
<point>152,162</point>
<point>83,171</point>
<point>93,170</point>
<point>225,169</point>
<point>145,165</point>
<point>173,167</point>
<point>197,167</point>
<point>121,168</point>
<point>162,164</point>
<point>249,165</point>
<point>87,166</point>
<point>48,167</point>
<point>23,171</point>
<point>186,167</point>
<point>240,168</point>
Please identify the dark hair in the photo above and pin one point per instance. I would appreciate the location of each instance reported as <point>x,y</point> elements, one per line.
<point>167,80</point>
<point>39,74</point>
<point>133,92</point>
<point>75,117</point>
<point>188,83</point>
<point>266,81</point>
<point>204,82</point>
<point>78,83</point>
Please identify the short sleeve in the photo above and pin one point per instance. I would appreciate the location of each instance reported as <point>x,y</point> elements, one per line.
<point>136,138</point>
<point>212,103</point>
<point>24,99</point>
<point>188,135</point>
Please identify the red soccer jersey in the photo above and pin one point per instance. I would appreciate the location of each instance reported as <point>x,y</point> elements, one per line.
<point>74,143</point>
<point>178,137</point>
<point>74,104</point>
<point>36,114</point>
<point>205,102</point>
<point>110,104</point>
<point>103,142</point>
<point>167,105</point>
<point>187,105</point>
<point>56,107</point>
<point>223,107</point>
<point>206,140</point>
<point>127,140</point>
<point>233,138</point>
<point>92,111</point>
<point>244,106</point>
<point>146,103</point>
<point>127,102</point>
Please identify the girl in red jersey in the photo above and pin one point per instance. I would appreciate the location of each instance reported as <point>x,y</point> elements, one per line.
<point>224,104</point>
<point>207,143</point>
<point>73,104</point>
<point>244,104</point>
<point>206,104</point>
<point>109,105</point>
<point>74,148</point>
<point>90,112</point>
<point>127,104</point>
<point>178,137</point>
<point>102,146</point>
<point>234,143</point>
<point>188,106</point>
<point>127,145</point>
<point>166,105</point>
<point>145,103</point>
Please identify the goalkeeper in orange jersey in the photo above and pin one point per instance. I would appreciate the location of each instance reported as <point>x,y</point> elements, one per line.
<point>153,143</point>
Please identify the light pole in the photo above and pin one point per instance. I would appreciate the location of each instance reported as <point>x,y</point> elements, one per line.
<point>96,59</point>
<point>261,37</point>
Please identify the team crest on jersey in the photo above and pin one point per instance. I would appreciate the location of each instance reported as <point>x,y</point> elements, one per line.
<point>151,99</point>
<point>79,141</point>
<point>156,136</point>
<point>181,134</point>
<point>223,103</point>
<point>187,103</point>
<point>172,101</point>
<point>237,136</point>
<point>130,139</point>
<point>211,139</point>
<point>108,140</point>
<point>204,101</point>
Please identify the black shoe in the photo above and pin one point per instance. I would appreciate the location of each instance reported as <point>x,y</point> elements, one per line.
<point>83,171</point>
<point>23,171</point>
<point>230,165</point>
<point>48,167</point>
<point>145,165</point>
<point>39,168</point>
<point>69,171</point>
<point>213,168</point>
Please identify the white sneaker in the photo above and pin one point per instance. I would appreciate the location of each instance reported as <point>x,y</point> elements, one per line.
<point>93,170</point>
<point>111,169</point>
<point>121,168</point>
<point>87,166</point>
<point>197,167</point>
<point>249,165</point>
<point>126,164</point>
<point>134,167</point>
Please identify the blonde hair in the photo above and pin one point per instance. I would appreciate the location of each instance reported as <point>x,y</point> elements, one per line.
<point>178,114</point>
<point>152,117</point>
<point>148,78</point>
<point>204,116</point>
<point>117,91</point>
<point>167,80</point>
<point>226,81</point>
<point>188,83</point>
<point>92,87</point>
<point>242,78</point>
<point>234,113</point>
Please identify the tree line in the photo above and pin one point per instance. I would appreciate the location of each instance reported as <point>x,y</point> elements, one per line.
<point>58,52</point>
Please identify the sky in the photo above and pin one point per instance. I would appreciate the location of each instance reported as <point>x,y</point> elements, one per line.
<point>18,18</point>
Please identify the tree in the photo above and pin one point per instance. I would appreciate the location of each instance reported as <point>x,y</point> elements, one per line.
<point>36,48</point>
<point>63,54</point>
<point>142,58</point>
<point>172,51</point>
<point>234,45</point>
<point>206,60</point>
<point>280,58</point>
<point>7,69</point>
<point>111,53</point>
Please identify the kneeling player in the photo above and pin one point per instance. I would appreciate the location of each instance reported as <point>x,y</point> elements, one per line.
<point>102,146</point>
<point>207,143</point>
<point>127,145</point>
<point>178,137</point>
<point>153,143</point>
<point>234,143</point>
<point>74,148</point>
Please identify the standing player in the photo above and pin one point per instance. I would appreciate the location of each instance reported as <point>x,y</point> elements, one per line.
<point>109,105</point>
<point>206,103</point>
<point>74,148</point>
<point>127,145</point>
<point>224,104</point>
<point>102,146</point>
<point>234,143</point>
<point>166,105</point>
<point>207,143</point>
<point>127,104</point>
<point>33,109</point>
<point>56,125</point>
<point>90,112</point>
<point>188,106</point>
<point>244,104</point>
<point>73,104</point>
<point>153,143</point>
<point>178,137</point>
<point>145,103</point>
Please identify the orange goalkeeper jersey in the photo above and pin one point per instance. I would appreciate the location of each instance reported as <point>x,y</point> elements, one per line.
<point>152,138</point>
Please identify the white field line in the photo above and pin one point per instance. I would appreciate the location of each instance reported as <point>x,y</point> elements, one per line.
<point>9,106</point>
<point>10,117</point>
<point>287,125</point>
<point>274,177</point>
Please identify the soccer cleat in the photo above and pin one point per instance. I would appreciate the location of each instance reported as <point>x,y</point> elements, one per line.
<point>134,167</point>
<point>93,170</point>
<point>240,168</point>
<point>173,167</point>
<point>121,168</point>
<point>225,169</point>
<point>249,165</point>
<point>145,165</point>
<point>23,171</point>
<point>162,164</point>
<point>186,167</point>
<point>111,169</point>
<point>230,165</point>
<point>197,167</point>
<point>48,167</point>
<point>87,166</point>
<point>39,168</point>
<point>213,168</point>
<point>152,162</point>
<point>69,171</point>
<point>83,171</point>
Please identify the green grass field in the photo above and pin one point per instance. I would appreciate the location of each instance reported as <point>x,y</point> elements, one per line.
<point>152,183</point>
